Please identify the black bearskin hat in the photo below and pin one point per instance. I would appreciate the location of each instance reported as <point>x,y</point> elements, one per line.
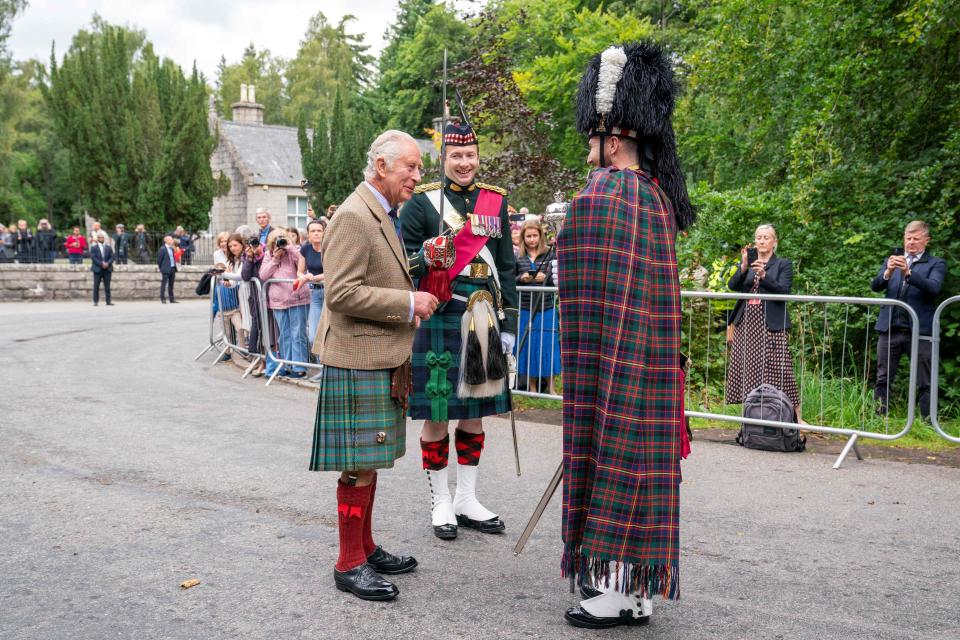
<point>628,91</point>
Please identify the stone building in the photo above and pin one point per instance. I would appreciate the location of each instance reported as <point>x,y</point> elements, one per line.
<point>262,164</point>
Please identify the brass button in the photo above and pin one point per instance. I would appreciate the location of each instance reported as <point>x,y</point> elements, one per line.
<point>381,437</point>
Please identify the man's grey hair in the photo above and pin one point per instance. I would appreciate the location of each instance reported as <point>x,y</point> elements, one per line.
<point>101,236</point>
<point>244,230</point>
<point>388,145</point>
<point>262,210</point>
<point>918,225</point>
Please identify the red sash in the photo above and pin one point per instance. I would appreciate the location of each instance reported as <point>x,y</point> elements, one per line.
<point>468,245</point>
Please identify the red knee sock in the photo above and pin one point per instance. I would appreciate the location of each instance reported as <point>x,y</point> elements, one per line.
<point>435,454</point>
<point>469,447</point>
<point>368,544</point>
<point>352,503</point>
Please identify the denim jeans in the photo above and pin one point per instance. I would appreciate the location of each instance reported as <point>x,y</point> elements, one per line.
<point>292,325</point>
<point>76,258</point>
<point>316,308</point>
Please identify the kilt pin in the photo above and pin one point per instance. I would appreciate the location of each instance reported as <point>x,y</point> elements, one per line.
<point>437,348</point>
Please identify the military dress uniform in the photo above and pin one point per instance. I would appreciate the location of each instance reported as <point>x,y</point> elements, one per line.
<point>438,344</point>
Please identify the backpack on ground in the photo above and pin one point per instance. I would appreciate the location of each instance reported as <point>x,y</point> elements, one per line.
<point>766,402</point>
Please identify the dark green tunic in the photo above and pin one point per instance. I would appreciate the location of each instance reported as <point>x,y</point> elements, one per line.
<point>436,347</point>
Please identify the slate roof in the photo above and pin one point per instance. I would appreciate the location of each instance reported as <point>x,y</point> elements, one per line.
<point>265,154</point>
<point>270,154</point>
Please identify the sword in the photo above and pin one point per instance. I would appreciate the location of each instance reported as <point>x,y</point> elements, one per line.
<point>541,507</point>
<point>443,142</point>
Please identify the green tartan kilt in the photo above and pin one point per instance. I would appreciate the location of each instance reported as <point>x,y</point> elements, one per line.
<point>436,368</point>
<point>354,412</point>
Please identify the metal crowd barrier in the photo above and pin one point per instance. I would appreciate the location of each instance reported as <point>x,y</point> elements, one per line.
<point>542,306</point>
<point>265,323</point>
<point>227,327</point>
<point>213,342</point>
<point>853,434</point>
<point>935,370</point>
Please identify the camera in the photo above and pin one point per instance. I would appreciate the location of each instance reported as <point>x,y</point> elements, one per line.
<point>253,242</point>
<point>282,243</point>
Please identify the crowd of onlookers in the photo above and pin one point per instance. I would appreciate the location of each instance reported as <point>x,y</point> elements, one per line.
<point>44,244</point>
<point>294,300</point>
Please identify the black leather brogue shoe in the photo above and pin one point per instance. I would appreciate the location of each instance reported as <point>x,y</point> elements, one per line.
<point>386,563</point>
<point>365,583</point>
<point>577,617</point>
<point>493,525</point>
<point>445,531</point>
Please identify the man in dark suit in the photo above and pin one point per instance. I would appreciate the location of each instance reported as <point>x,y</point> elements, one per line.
<point>914,276</point>
<point>101,263</point>
<point>168,269</point>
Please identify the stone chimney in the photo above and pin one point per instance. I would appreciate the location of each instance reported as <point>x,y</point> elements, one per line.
<point>247,111</point>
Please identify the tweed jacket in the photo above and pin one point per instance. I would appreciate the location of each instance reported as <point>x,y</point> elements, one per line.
<point>365,322</point>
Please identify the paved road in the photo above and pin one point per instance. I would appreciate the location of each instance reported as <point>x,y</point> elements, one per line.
<point>126,468</point>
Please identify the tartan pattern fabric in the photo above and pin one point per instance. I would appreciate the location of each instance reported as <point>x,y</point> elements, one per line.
<point>436,455</point>
<point>620,345</point>
<point>354,408</point>
<point>469,447</point>
<point>432,399</point>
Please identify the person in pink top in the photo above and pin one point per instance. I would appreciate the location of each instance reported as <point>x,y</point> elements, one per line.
<point>289,305</point>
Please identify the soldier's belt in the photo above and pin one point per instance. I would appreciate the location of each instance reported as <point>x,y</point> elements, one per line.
<point>478,270</point>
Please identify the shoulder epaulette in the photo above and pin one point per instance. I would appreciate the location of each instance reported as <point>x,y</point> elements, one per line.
<point>490,187</point>
<point>430,186</point>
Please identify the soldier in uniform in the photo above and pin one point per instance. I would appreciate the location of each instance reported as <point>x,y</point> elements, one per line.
<point>459,368</point>
<point>620,344</point>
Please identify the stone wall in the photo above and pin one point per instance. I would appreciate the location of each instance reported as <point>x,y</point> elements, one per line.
<point>39,282</point>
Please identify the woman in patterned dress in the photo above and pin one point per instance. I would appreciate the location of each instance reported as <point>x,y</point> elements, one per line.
<point>760,353</point>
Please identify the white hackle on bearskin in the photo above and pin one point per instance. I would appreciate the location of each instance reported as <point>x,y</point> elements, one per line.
<point>612,62</point>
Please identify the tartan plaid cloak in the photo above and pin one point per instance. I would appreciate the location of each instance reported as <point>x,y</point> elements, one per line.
<point>620,344</point>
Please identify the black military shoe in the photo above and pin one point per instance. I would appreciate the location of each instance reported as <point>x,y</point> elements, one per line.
<point>387,563</point>
<point>493,525</point>
<point>589,592</point>
<point>365,583</point>
<point>445,531</point>
<point>577,617</point>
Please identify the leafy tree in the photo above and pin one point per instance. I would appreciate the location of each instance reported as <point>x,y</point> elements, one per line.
<point>135,129</point>
<point>329,61</point>
<point>266,73</point>
<point>34,172</point>
<point>333,155</point>
<point>409,93</point>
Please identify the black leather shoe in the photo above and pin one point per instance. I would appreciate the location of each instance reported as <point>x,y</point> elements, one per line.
<point>174,302</point>
<point>163,301</point>
<point>580,618</point>
<point>445,531</point>
<point>493,525</point>
<point>389,564</point>
<point>589,592</point>
<point>109,304</point>
<point>365,583</point>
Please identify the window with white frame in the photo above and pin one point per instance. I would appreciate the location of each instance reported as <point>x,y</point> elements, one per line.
<point>297,212</point>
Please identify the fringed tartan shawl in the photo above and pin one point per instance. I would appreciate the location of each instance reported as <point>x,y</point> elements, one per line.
<point>620,345</point>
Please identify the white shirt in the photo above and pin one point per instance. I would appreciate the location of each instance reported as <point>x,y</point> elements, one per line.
<point>387,207</point>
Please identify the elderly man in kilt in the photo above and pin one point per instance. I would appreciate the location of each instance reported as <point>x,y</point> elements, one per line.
<point>459,367</point>
<point>364,342</point>
<point>620,344</point>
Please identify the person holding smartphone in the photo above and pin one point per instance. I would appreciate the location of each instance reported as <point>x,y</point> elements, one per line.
<point>760,352</point>
<point>913,275</point>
